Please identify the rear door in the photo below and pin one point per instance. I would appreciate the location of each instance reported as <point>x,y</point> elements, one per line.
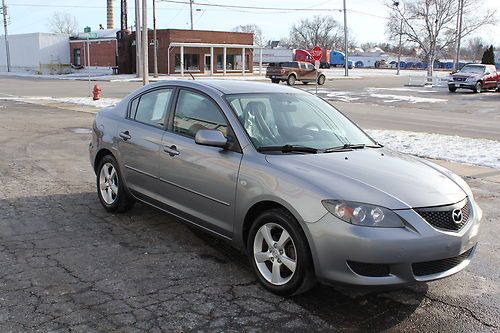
<point>490,77</point>
<point>139,139</point>
<point>199,182</point>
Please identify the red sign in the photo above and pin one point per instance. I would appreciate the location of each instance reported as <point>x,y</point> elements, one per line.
<point>317,53</point>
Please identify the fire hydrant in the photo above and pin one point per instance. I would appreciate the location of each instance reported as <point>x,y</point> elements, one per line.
<point>96,92</point>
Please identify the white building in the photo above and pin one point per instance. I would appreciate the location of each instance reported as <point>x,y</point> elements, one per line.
<point>43,53</point>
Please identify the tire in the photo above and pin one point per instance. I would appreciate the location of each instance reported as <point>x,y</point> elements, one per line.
<point>452,89</point>
<point>478,87</point>
<point>321,80</point>
<point>275,80</point>
<point>305,82</point>
<point>111,191</point>
<point>285,269</point>
<point>291,80</point>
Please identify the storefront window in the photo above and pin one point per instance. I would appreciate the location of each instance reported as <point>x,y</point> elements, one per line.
<point>233,62</point>
<point>191,62</point>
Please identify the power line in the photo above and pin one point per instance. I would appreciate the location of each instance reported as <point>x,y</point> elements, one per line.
<point>209,4</point>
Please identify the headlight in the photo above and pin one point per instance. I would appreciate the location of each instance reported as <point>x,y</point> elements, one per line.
<point>471,79</point>
<point>450,79</point>
<point>363,214</point>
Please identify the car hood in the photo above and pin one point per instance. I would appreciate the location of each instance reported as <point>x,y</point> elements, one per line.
<point>467,75</point>
<point>373,175</point>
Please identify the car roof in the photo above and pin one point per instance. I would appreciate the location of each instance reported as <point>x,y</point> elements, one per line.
<point>229,87</point>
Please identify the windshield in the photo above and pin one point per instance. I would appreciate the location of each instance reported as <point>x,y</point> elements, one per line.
<point>277,119</point>
<point>473,69</point>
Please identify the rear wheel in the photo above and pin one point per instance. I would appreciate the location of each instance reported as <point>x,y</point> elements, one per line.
<point>478,87</point>
<point>321,80</point>
<point>291,80</point>
<point>110,188</point>
<point>279,253</point>
<point>452,89</point>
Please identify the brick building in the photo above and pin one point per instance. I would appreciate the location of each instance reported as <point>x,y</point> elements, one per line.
<point>196,51</point>
<point>103,49</point>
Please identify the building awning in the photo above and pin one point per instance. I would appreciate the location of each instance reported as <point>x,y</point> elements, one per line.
<point>235,46</point>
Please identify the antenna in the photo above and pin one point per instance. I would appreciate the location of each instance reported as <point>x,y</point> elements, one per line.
<point>182,64</point>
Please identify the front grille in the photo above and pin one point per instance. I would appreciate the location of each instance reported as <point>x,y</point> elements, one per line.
<point>442,217</point>
<point>439,266</point>
<point>459,79</point>
<point>372,270</point>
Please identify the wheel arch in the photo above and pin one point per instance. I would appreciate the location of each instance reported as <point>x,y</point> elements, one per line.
<point>100,154</point>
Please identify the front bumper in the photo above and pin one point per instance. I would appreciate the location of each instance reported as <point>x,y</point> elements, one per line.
<point>462,84</point>
<point>395,254</point>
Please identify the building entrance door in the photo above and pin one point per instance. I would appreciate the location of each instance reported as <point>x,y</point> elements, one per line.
<point>208,63</point>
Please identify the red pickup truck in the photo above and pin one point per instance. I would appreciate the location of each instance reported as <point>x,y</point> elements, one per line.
<point>477,77</point>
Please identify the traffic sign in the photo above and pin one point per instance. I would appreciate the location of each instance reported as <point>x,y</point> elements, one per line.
<point>317,53</point>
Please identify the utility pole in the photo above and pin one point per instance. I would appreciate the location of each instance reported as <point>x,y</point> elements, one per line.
<point>145,43</point>
<point>396,3</point>
<point>346,61</point>
<point>459,31</point>
<point>7,50</point>
<point>191,12</point>
<point>155,41</point>
<point>138,44</point>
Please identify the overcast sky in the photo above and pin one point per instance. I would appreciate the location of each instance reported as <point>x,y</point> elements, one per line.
<point>366,18</point>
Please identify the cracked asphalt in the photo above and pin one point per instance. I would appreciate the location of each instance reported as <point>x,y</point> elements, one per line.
<point>67,265</point>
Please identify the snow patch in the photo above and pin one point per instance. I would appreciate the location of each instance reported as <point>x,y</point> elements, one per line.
<point>409,99</point>
<point>87,101</point>
<point>445,147</point>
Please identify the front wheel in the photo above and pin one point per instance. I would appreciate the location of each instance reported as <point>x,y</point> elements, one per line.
<point>452,89</point>
<point>478,87</point>
<point>279,253</point>
<point>321,80</point>
<point>275,80</point>
<point>110,188</point>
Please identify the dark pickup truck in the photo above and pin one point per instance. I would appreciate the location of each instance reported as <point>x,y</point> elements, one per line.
<point>477,77</point>
<point>292,71</point>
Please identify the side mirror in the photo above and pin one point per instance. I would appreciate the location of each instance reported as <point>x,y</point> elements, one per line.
<point>212,138</point>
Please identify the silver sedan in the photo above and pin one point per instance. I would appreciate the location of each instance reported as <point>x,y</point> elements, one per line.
<point>289,179</point>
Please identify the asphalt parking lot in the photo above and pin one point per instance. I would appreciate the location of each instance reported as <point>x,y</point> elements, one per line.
<point>67,265</point>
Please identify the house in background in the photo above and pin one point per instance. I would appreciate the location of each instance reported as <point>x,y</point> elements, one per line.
<point>102,45</point>
<point>42,53</point>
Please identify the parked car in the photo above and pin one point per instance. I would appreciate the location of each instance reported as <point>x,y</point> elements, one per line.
<point>283,175</point>
<point>477,77</point>
<point>293,71</point>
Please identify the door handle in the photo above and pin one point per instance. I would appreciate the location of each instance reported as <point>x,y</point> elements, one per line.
<point>172,150</point>
<point>125,135</point>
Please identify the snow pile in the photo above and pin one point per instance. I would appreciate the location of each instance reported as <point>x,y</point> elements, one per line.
<point>87,101</point>
<point>445,147</point>
<point>409,99</point>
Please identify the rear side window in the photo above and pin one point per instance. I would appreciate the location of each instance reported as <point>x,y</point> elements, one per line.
<point>151,108</point>
<point>194,112</point>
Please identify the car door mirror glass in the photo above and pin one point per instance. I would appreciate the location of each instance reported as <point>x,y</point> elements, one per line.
<point>212,138</point>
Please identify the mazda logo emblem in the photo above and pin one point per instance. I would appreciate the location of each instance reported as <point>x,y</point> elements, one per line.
<point>457,216</point>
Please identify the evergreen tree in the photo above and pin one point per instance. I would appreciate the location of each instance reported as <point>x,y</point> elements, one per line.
<point>488,56</point>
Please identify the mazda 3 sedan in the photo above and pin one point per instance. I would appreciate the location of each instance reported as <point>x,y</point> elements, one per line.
<point>285,176</point>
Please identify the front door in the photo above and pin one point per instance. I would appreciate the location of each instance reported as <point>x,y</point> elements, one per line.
<point>140,140</point>
<point>208,63</point>
<point>199,182</point>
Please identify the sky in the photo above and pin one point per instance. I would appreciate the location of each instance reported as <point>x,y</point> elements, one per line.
<point>366,18</point>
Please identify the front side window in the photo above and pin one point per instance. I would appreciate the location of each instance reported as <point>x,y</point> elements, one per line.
<point>194,112</point>
<point>151,108</point>
<point>277,119</point>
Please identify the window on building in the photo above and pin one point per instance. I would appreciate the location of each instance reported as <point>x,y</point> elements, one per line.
<point>195,112</point>
<point>77,57</point>
<point>191,62</point>
<point>151,108</point>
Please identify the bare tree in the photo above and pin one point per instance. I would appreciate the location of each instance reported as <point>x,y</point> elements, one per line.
<point>63,23</point>
<point>320,30</point>
<point>258,38</point>
<point>431,24</point>
<point>474,49</point>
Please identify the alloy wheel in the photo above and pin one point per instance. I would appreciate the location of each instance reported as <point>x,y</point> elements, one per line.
<point>275,254</point>
<point>108,183</point>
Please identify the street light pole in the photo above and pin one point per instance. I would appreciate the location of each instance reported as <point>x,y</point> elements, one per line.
<point>459,32</point>
<point>145,43</point>
<point>138,44</point>
<point>7,50</point>
<point>155,41</point>
<point>346,61</point>
<point>396,3</point>
<point>191,12</point>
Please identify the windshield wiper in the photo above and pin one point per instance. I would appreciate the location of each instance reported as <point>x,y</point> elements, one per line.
<point>288,149</point>
<point>347,146</point>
